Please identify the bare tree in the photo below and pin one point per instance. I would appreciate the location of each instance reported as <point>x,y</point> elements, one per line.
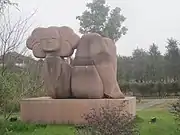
<point>5,3</point>
<point>12,34</point>
<point>13,85</point>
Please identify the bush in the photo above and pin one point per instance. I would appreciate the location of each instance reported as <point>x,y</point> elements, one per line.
<point>108,120</point>
<point>175,110</point>
<point>14,86</point>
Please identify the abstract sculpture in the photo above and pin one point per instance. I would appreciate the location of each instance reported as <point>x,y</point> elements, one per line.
<point>92,73</point>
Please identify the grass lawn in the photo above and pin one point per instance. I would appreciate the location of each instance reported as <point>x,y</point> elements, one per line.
<point>165,125</point>
<point>49,130</point>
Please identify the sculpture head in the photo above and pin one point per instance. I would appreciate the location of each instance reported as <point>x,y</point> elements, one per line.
<point>60,41</point>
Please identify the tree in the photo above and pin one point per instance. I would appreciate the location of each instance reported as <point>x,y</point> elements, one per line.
<point>155,61</point>
<point>153,50</point>
<point>124,68</point>
<point>4,4</point>
<point>13,85</point>
<point>139,64</point>
<point>172,58</point>
<point>98,18</point>
<point>12,36</point>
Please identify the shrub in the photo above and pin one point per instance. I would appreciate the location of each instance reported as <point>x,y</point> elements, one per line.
<point>14,86</point>
<point>175,110</point>
<point>108,120</point>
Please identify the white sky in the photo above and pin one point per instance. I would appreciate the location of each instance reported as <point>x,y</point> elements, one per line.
<point>148,21</point>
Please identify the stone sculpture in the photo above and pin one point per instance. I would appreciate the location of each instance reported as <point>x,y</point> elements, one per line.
<point>92,73</point>
<point>53,44</point>
<point>95,66</point>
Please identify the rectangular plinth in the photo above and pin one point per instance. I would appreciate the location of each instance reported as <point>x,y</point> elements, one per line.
<point>67,111</point>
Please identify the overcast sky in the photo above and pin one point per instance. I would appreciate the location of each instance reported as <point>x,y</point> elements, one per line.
<point>147,21</point>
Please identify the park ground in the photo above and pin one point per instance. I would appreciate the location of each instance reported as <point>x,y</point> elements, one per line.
<point>159,108</point>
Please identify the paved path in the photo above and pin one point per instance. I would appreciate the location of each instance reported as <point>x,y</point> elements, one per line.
<point>152,102</point>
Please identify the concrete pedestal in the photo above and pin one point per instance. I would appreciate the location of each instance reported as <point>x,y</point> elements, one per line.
<point>67,111</point>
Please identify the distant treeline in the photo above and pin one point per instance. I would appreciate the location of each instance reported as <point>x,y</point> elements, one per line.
<point>151,72</point>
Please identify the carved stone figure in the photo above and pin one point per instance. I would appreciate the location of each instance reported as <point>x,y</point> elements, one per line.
<point>94,67</point>
<point>92,73</point>
<point>59,41</point>
<point>53,44</point>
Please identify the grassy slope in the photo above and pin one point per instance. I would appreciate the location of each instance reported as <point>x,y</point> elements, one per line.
<point>165,124</point>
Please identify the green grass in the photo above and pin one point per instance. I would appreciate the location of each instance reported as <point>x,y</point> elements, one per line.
<point>165,125</point>
<point>49,130</point>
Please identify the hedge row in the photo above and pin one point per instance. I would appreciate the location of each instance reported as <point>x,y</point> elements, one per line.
<point>152,89</point>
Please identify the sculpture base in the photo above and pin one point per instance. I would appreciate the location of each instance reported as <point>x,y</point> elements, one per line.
<point>45,110</point>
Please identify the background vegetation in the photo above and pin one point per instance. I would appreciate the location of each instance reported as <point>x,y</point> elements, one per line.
<point>147,73</point>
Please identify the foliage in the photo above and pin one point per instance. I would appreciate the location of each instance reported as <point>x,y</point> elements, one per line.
<point>175,110</point>
<point>7,127</point>
<point>151,66</point>
<point>15,82</point>
<point>99,19</point>
<point>149,73</point>
<point>152,89</point>
<point>172,57</point>
<point>20,128</point>
<point>108,120</point>
<point>14,86</point>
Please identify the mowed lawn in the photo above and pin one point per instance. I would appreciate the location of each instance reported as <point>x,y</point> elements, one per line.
<point>165,124</point>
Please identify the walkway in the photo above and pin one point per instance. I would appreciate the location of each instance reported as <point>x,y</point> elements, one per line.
<point>151,102</point>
